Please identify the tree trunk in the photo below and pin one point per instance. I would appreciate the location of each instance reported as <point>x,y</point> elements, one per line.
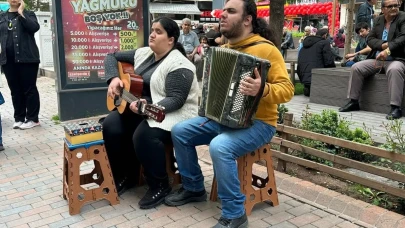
<point>349,27</point>
<point>276,19</point>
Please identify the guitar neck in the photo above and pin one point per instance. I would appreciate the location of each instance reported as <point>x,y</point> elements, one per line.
<point>128,97</point>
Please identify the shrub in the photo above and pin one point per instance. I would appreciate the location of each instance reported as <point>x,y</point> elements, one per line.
<point>331,124</point>
<point>299,89</point>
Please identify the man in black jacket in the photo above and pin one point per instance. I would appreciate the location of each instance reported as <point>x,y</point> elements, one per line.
<point>387,41</point>
<point>315,53</point>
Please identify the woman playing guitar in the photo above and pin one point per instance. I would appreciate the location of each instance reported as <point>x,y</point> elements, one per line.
<point>131,138</point>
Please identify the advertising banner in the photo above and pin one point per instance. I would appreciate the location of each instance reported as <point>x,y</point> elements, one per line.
<point>83,33</point>
<point>94,28</point>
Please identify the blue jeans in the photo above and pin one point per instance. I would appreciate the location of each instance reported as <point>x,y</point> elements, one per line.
<point>1,132</point>
<point>350,63</point>
<point>226,145</point>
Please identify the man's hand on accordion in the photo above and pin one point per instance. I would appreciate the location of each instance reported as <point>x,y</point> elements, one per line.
<point>251,86</point>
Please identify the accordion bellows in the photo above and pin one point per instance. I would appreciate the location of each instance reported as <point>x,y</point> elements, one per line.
<point>222,100</point>
<point>83,132</point>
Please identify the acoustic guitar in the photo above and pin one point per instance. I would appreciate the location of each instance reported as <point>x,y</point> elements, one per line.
<point>132,91</point>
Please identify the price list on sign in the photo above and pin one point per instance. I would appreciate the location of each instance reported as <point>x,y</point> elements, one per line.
<point>92,29</point>
<point>128,40</point>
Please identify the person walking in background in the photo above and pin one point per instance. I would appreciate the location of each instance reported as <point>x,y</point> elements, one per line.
<point>19,61</point>
<point>287,42</point>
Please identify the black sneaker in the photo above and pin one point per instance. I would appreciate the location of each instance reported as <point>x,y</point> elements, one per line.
<point>154,197</point>
<point>183,196</point>
<point>1,147</point>
<point>241,222</point>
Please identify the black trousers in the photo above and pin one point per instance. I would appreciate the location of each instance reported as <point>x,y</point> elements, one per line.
<point>129,142</point>
<point>22,80</point>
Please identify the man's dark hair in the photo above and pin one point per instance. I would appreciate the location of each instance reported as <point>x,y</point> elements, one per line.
<point>259,25</point>
<point>322,32</point>
<point>360,26</point>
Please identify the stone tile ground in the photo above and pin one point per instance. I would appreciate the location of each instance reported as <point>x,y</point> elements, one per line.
<point>31,187</point>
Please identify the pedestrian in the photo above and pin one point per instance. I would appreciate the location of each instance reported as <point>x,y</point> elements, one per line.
<point>19,61</point>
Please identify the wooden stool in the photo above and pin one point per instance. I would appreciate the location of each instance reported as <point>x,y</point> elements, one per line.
<point>101,175</point>
<point>266,187</point>
<point>171,169</point>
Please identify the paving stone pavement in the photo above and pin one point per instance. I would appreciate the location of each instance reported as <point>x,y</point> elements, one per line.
<point>31,187</point>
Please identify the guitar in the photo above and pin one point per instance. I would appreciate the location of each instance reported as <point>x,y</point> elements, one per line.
<point>132,91</point>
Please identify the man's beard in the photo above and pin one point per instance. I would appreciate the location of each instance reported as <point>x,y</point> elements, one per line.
<point>234,31</point>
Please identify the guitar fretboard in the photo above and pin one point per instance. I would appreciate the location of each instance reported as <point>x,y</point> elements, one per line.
<point>127,96</point>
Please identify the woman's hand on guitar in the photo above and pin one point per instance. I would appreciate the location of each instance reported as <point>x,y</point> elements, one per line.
<point>115,87</point>
<point>134,106</point>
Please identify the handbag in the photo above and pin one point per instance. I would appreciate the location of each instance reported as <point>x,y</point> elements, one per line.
<point>1,99</point>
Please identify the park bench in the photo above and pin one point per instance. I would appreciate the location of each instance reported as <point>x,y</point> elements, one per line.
<point>329,87</point>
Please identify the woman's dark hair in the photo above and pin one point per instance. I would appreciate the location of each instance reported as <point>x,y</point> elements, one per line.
<point>360,26</point>
<point>172,30</point>
<point>259,25</point>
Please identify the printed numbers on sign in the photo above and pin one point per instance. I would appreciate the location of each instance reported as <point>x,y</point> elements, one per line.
<point>84,47</point>
<point>132,25</point>
<point>79,39</point>
<point>80,54</point>
<point>76,33</point>
<point>127,47</point>
<point>81,61</point>
<point>127,33</point>
<point>127,40</point>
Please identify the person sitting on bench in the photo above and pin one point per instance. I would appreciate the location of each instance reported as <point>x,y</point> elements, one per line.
<point>362,30</point>
<point>168,80</point>
<point>387,41</point>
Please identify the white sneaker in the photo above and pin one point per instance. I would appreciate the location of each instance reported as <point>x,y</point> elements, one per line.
<point>28,124</point>
<point>17,125</point>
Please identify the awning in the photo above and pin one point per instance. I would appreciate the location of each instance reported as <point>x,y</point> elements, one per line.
<point>170,8</point>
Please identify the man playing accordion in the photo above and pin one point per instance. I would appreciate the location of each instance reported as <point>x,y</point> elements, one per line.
<point>248,34</point>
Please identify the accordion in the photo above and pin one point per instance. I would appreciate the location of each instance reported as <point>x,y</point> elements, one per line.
<point>221,98</point>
